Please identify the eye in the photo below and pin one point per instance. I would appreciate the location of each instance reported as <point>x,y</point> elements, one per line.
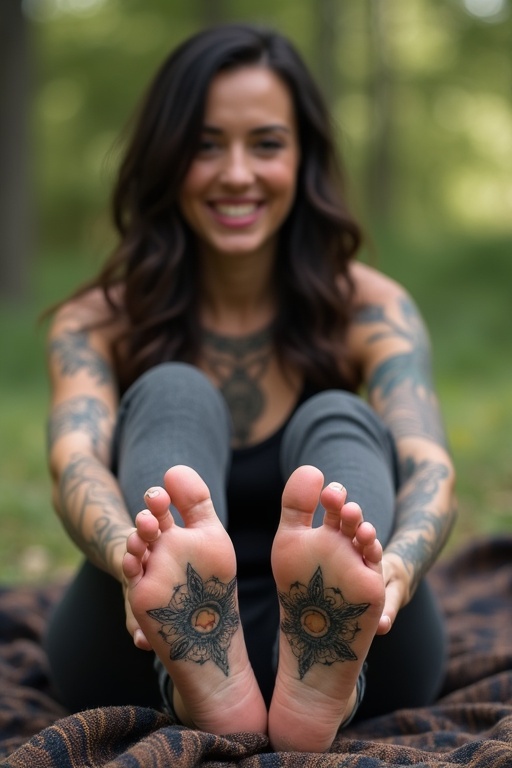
<point>207,146</point>
<point>269,146</point>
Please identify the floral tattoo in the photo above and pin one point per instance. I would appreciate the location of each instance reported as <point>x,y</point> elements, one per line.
<point>200,620</point>
<point>319,623</point>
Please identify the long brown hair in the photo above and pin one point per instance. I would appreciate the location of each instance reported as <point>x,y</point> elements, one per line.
<point>155,260</point>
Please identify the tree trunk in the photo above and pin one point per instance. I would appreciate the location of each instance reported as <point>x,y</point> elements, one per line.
<point>327,40</point>
<point>380,192</point>
<point>16,225</point>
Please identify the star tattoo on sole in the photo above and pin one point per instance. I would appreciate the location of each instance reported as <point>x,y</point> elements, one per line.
<point>319,623</point>
<point>200,620</point>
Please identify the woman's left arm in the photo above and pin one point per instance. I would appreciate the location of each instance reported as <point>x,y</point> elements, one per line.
<point>396,358</point>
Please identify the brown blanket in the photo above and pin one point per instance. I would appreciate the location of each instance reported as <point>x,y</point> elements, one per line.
<point>470,725</point>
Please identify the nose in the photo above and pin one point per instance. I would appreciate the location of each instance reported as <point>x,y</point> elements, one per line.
<point>237,171</point>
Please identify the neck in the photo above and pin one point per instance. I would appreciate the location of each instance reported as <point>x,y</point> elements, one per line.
<point>237,300</point>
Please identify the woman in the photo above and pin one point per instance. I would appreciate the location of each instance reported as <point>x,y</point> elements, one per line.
<point>222,348</point>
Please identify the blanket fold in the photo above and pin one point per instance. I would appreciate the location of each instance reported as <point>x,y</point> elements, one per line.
<point>470,725</point>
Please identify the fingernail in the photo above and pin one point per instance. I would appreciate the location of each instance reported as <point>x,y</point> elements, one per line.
<point>152,492</point>
<point>337,486</point>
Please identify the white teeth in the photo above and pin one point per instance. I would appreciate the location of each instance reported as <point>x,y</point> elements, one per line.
<point>236,211</point>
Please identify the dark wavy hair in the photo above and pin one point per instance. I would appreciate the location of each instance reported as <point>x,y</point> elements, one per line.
<point>155,260</point>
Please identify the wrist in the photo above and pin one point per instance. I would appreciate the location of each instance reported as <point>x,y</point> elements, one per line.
<point>396,572</point>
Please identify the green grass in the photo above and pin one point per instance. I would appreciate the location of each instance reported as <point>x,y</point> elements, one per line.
<point>462,288</point>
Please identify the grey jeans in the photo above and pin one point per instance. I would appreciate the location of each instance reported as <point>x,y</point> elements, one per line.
<point>173,415</point>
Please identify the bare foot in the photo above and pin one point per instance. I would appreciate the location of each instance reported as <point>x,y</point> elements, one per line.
<point>331,593</point>
<point>182,590</point>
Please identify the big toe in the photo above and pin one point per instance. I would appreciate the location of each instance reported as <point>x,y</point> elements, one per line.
<point>301,495</point>
<point>190,495</point>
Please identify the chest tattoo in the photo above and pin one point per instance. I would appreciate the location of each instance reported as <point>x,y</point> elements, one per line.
<point>238,365</point>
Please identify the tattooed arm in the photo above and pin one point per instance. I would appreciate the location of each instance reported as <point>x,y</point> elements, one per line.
<point>83,405</point>
<point>394,351</point>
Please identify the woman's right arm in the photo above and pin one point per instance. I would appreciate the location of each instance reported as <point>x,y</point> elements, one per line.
<point>83,409</point>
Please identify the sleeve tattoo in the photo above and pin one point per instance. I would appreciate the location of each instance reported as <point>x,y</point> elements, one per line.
<point>83,489</point>
<point>84,414</point>
<point>403,382</point>
<point>74,353</point>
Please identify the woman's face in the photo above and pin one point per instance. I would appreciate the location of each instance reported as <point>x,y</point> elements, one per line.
<point>241,184</point>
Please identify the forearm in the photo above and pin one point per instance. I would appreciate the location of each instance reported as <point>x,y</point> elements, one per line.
<point>91,508</point>
<point>425,513</point>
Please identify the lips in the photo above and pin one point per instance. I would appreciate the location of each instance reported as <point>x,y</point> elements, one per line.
<point>236,211</point>
<point>233,214</point>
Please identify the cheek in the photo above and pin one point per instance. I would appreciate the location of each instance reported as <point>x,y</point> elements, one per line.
<point>284,184</point>
<point>284,177</point>
<point>194,184</point>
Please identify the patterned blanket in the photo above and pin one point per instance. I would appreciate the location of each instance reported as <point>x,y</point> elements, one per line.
<point>470,725</point>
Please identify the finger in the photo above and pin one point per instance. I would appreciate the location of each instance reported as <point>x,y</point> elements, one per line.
<point>391,608</point>
<point>139,638</point>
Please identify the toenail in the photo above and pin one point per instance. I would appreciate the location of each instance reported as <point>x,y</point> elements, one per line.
<point>152,492</point>
<point>336,486</point>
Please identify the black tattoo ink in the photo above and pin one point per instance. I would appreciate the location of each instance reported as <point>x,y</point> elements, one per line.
<point>239,364</point>
<point>74,354</point>
<point>319,623</point>
<point>200,620</point>
<point>82,490</point>
<point>80,414</point>
<point>403,382</point>
<point>422,531</point>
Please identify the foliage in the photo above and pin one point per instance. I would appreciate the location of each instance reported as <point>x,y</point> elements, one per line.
<point>420,92</point>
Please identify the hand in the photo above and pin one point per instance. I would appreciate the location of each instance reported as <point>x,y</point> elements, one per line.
<point>398,592</point>
<point>132,625</point>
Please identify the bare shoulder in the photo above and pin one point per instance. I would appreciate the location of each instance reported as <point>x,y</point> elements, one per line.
<point>372,286</point>
<point>89,313</point>
<point>88,309</point>
<point>81,346</point>
<point>386,320</point>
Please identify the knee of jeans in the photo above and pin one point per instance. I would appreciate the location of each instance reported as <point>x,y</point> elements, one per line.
<point>333,411</point>
<point>161,377</point>
<point>333,404</point>
<point>173,386</point>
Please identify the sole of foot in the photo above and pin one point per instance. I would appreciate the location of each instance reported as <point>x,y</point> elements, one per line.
<point>331,592</point>
<point>181,587</point>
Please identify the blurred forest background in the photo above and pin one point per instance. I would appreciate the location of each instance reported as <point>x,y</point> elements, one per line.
<point>421,92</point>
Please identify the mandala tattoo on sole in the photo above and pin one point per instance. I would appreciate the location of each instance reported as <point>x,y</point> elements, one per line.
<point>319,623</point>
<point>200,620</point>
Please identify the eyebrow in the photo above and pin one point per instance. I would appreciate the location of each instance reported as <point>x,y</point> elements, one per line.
<point>255,131</point>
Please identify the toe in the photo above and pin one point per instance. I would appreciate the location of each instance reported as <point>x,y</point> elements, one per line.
<point>373,553</point>
<point>190,495</point>
<point>158,501</point>
<point>132,569</point>
<point>301,495</point>
<point>365,534</point>
<point>333,498</point>
<point>147,525</point>
<point>136,545</point>
<point>351,519</point>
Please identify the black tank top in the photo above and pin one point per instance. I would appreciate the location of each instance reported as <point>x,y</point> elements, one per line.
<point>254,490</point>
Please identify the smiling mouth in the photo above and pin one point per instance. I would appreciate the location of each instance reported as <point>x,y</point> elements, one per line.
<point>235,211</point>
